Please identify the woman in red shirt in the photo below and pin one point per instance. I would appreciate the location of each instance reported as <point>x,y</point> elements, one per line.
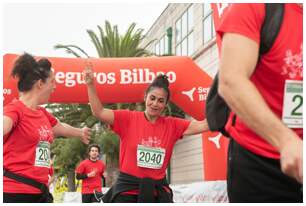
<point>146,143</point>
<point>29,130</point>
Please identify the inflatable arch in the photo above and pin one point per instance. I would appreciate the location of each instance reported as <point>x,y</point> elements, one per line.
<point>122,80</point>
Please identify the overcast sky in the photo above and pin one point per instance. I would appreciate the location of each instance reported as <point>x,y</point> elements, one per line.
<point>37,27</point>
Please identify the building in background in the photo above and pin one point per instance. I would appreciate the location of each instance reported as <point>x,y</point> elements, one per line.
<point>186,30</point>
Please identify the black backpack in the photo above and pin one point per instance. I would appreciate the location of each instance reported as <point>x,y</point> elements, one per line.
<point>217,111</point>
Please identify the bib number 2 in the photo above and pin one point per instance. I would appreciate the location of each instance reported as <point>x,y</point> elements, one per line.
<point>293,104</point>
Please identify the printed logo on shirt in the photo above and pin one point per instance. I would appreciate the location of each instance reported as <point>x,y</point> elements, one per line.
<point>293,67</point>
<point>44,133</point>
<point>151,142</point>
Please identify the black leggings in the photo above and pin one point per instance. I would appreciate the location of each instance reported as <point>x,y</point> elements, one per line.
<point>253,178</point>
<point>23,198</point>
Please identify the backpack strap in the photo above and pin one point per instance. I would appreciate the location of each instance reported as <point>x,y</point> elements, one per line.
<point>271,26</point>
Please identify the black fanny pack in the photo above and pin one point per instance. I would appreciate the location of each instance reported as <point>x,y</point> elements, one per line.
<point>42,187</point>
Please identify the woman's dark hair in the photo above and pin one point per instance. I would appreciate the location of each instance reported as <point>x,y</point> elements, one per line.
<point>93,145</point>
<point>161,81</point>
<point>29,71</point>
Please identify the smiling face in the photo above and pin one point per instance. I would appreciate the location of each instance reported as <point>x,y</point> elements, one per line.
<point>156,101</point>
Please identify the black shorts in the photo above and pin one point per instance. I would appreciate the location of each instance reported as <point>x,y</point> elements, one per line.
<point>254,178</point>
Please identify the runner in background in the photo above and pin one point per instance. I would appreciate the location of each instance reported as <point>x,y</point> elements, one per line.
<point>29,130</point>
<point>146,143</point>
<point>266,149</point>
<point>90,171</point>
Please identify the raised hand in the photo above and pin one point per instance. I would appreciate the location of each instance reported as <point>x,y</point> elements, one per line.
<point>88,73</point>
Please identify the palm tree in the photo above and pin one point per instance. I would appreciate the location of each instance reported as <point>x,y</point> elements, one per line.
<point>108,43</point>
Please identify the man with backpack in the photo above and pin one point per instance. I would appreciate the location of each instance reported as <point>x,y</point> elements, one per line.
<point>264,93</point>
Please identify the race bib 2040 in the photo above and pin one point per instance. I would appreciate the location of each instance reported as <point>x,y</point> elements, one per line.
<point>150,157</point>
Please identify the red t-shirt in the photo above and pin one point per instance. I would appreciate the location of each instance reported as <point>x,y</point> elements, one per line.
<point>283,62</point>
<point>91,183</point>
<point>134,129</point>
<point>24,150</point>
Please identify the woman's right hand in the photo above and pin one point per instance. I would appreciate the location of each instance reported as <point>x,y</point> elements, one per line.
<point>88,74</point>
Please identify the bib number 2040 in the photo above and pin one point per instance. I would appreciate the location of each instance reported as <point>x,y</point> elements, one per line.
<point>150,157</point>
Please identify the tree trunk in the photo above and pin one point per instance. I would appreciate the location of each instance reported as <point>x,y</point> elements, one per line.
<point>71,181</point>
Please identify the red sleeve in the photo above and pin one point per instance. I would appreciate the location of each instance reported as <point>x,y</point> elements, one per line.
<point>80,168</point>
<point>53,121</point>
<point>121,121</point>
<point>13,112</point>
<point>244,19</point>
<point>180,127</point>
